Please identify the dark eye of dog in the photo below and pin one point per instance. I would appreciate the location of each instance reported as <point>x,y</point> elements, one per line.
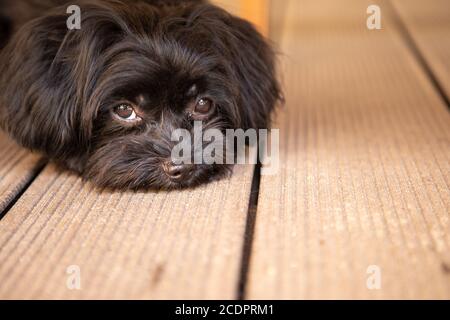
<point>126,112</point>
<point>203,106</point>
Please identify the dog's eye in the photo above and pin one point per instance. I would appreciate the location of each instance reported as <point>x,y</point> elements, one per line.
<point>126,112</point>
<point>203,106</point>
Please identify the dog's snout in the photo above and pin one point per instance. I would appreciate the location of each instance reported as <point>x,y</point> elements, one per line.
<point>177,172</point>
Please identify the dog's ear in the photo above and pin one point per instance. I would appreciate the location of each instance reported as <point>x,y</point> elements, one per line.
<point>47,75</point>
<point>253,63</point>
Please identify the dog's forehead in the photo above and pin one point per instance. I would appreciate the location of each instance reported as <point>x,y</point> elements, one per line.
<point>148,100</point>
<point>155,78</point>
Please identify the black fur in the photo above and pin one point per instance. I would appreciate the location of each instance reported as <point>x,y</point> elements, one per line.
<point>58,87</point>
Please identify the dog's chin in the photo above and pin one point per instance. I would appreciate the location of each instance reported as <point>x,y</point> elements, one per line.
<point>201,176</point>
<point>156,179</point>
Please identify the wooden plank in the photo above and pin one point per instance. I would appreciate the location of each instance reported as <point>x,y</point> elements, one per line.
<point>365,170</point>
<point>17,168</point>
<point>127,245</point>
<point>276,12</point>
<point>429,25</point>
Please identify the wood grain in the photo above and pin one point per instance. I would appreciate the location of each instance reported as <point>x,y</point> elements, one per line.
<point>429,26</point>
<point>365,170</point>
<point>17,168</point>
<point>364,181</point>
<point>127,245</point>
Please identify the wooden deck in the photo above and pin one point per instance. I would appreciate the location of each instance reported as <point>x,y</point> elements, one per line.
<point>364,181</point>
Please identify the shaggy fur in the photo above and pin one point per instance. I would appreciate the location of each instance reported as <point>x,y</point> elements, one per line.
<point>59,87</point>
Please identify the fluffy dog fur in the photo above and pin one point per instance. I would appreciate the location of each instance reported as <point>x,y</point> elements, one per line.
<point>59,88</point>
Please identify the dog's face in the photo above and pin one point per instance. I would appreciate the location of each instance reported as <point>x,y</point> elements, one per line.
<point>104,100</point>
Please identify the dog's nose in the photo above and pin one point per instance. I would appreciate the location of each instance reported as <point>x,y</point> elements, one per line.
<point>177,172</point>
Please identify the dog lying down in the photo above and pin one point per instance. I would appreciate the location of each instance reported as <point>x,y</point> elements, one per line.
<point>103,100</point>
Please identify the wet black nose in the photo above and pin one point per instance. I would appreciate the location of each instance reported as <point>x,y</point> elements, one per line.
<point>177,172</point>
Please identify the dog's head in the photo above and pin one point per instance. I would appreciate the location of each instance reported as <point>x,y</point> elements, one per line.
<point>104,100</point>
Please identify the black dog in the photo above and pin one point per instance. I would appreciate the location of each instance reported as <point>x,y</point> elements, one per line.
<point>103,100</point>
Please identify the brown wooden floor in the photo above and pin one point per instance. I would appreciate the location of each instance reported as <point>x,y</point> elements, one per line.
<point>364,181</point>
